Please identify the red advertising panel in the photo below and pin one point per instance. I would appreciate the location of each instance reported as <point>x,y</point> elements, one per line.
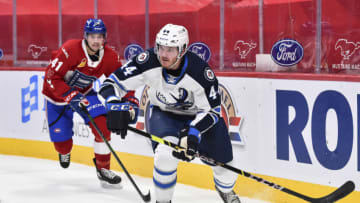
<point>291,20</point>
<point>341,41</point>
<point>37,29</point>
<point>125,23</point>
<point>241,40</point>
<point>201,18</point>
<point>6,49</point>
<point>74,16</point>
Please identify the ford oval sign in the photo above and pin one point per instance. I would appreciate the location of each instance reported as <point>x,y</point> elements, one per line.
<point>287,52</point>
<point>132,50</point>
<point>201,49</point>
<point>1,54</point>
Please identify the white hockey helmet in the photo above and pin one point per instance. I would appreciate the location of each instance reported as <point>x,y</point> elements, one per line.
<point>173,36</point>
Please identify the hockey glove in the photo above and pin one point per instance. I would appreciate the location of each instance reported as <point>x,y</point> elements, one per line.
<point>189,139</point>
<point>134,106</point>
<point>118,117</point>
<point>75,99</point>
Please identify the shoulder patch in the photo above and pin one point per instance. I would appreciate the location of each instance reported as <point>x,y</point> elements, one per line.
<point>209,74</point>
<point>142,57</point>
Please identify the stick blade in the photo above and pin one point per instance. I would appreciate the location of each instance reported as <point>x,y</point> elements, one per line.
<point>341,192</point>
<point>147,197</point>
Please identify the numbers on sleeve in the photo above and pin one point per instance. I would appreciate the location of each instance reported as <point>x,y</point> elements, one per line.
<point>129,70</point>
<point>213,93</point>
<point>54,62</point>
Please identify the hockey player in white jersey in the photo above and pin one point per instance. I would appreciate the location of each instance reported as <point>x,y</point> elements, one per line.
<point>183,92</point>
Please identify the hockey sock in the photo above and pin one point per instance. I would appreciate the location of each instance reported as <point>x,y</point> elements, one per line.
<point>101,123</point>
<point>102,161</point>
<point>64,147</point>
<point>102,153</point>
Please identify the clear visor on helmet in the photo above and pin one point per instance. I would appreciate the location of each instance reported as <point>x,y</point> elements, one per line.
<point>95,36</point>
<point>86,34</point>
<point>177,51</point>
<point>167,51</point>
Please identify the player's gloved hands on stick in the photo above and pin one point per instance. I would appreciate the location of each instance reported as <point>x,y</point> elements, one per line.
<point>118,117</point>
<point>76,100</point>
<point>189,139</point>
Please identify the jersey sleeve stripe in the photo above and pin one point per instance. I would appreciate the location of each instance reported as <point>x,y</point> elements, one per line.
<point>117,82</point>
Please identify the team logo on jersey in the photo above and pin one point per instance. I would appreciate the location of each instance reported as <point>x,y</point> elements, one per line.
<point>201,49</point>
<point>287,52</point>
<point>1,54</point>
<point>132,50</point>
<point>228,112</point>
<point>209,74</point>
<point>180,100</point>
<point>57,130</point>
<point>142,57</point>
<point>82,63</point>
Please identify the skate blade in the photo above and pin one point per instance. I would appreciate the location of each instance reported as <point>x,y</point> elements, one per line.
<point>107,185</point>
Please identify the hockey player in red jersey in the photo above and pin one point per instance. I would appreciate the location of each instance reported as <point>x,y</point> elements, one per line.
<point>68,82</point>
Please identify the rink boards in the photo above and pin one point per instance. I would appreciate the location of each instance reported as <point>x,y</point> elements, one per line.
<point>300,133</point>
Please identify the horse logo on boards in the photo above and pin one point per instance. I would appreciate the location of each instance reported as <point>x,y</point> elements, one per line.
<point>244,48</point>
<point>36,51</point>
<point>347,48</point>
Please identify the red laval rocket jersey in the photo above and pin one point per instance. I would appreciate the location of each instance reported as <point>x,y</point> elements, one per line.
<point>73,56</point>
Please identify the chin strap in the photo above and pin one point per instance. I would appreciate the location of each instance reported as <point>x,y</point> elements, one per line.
<point>177,60</point>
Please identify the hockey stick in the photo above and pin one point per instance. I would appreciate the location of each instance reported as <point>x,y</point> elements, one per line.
<point>339,193</point>
<point>146,197</point>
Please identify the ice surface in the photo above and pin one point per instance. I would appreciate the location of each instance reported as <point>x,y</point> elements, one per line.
<point>31,180</point>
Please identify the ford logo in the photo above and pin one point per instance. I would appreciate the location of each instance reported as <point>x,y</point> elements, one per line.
<point>132,50</point>
<point>201,49</point>
<point>287,52</point>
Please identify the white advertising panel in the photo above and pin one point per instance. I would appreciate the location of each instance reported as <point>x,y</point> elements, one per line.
<point>23,114</point>
<point>296,129</point>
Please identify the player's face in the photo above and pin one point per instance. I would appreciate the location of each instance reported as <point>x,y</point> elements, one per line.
<point>167,56</point>
<point>95,41</point>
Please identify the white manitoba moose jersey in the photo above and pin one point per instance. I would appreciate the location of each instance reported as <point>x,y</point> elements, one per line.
<point>193,90</point>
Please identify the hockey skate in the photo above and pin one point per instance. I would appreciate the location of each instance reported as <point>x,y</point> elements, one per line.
<point>230,197</point>
<point>64,160</point>
<point>108,179</point>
